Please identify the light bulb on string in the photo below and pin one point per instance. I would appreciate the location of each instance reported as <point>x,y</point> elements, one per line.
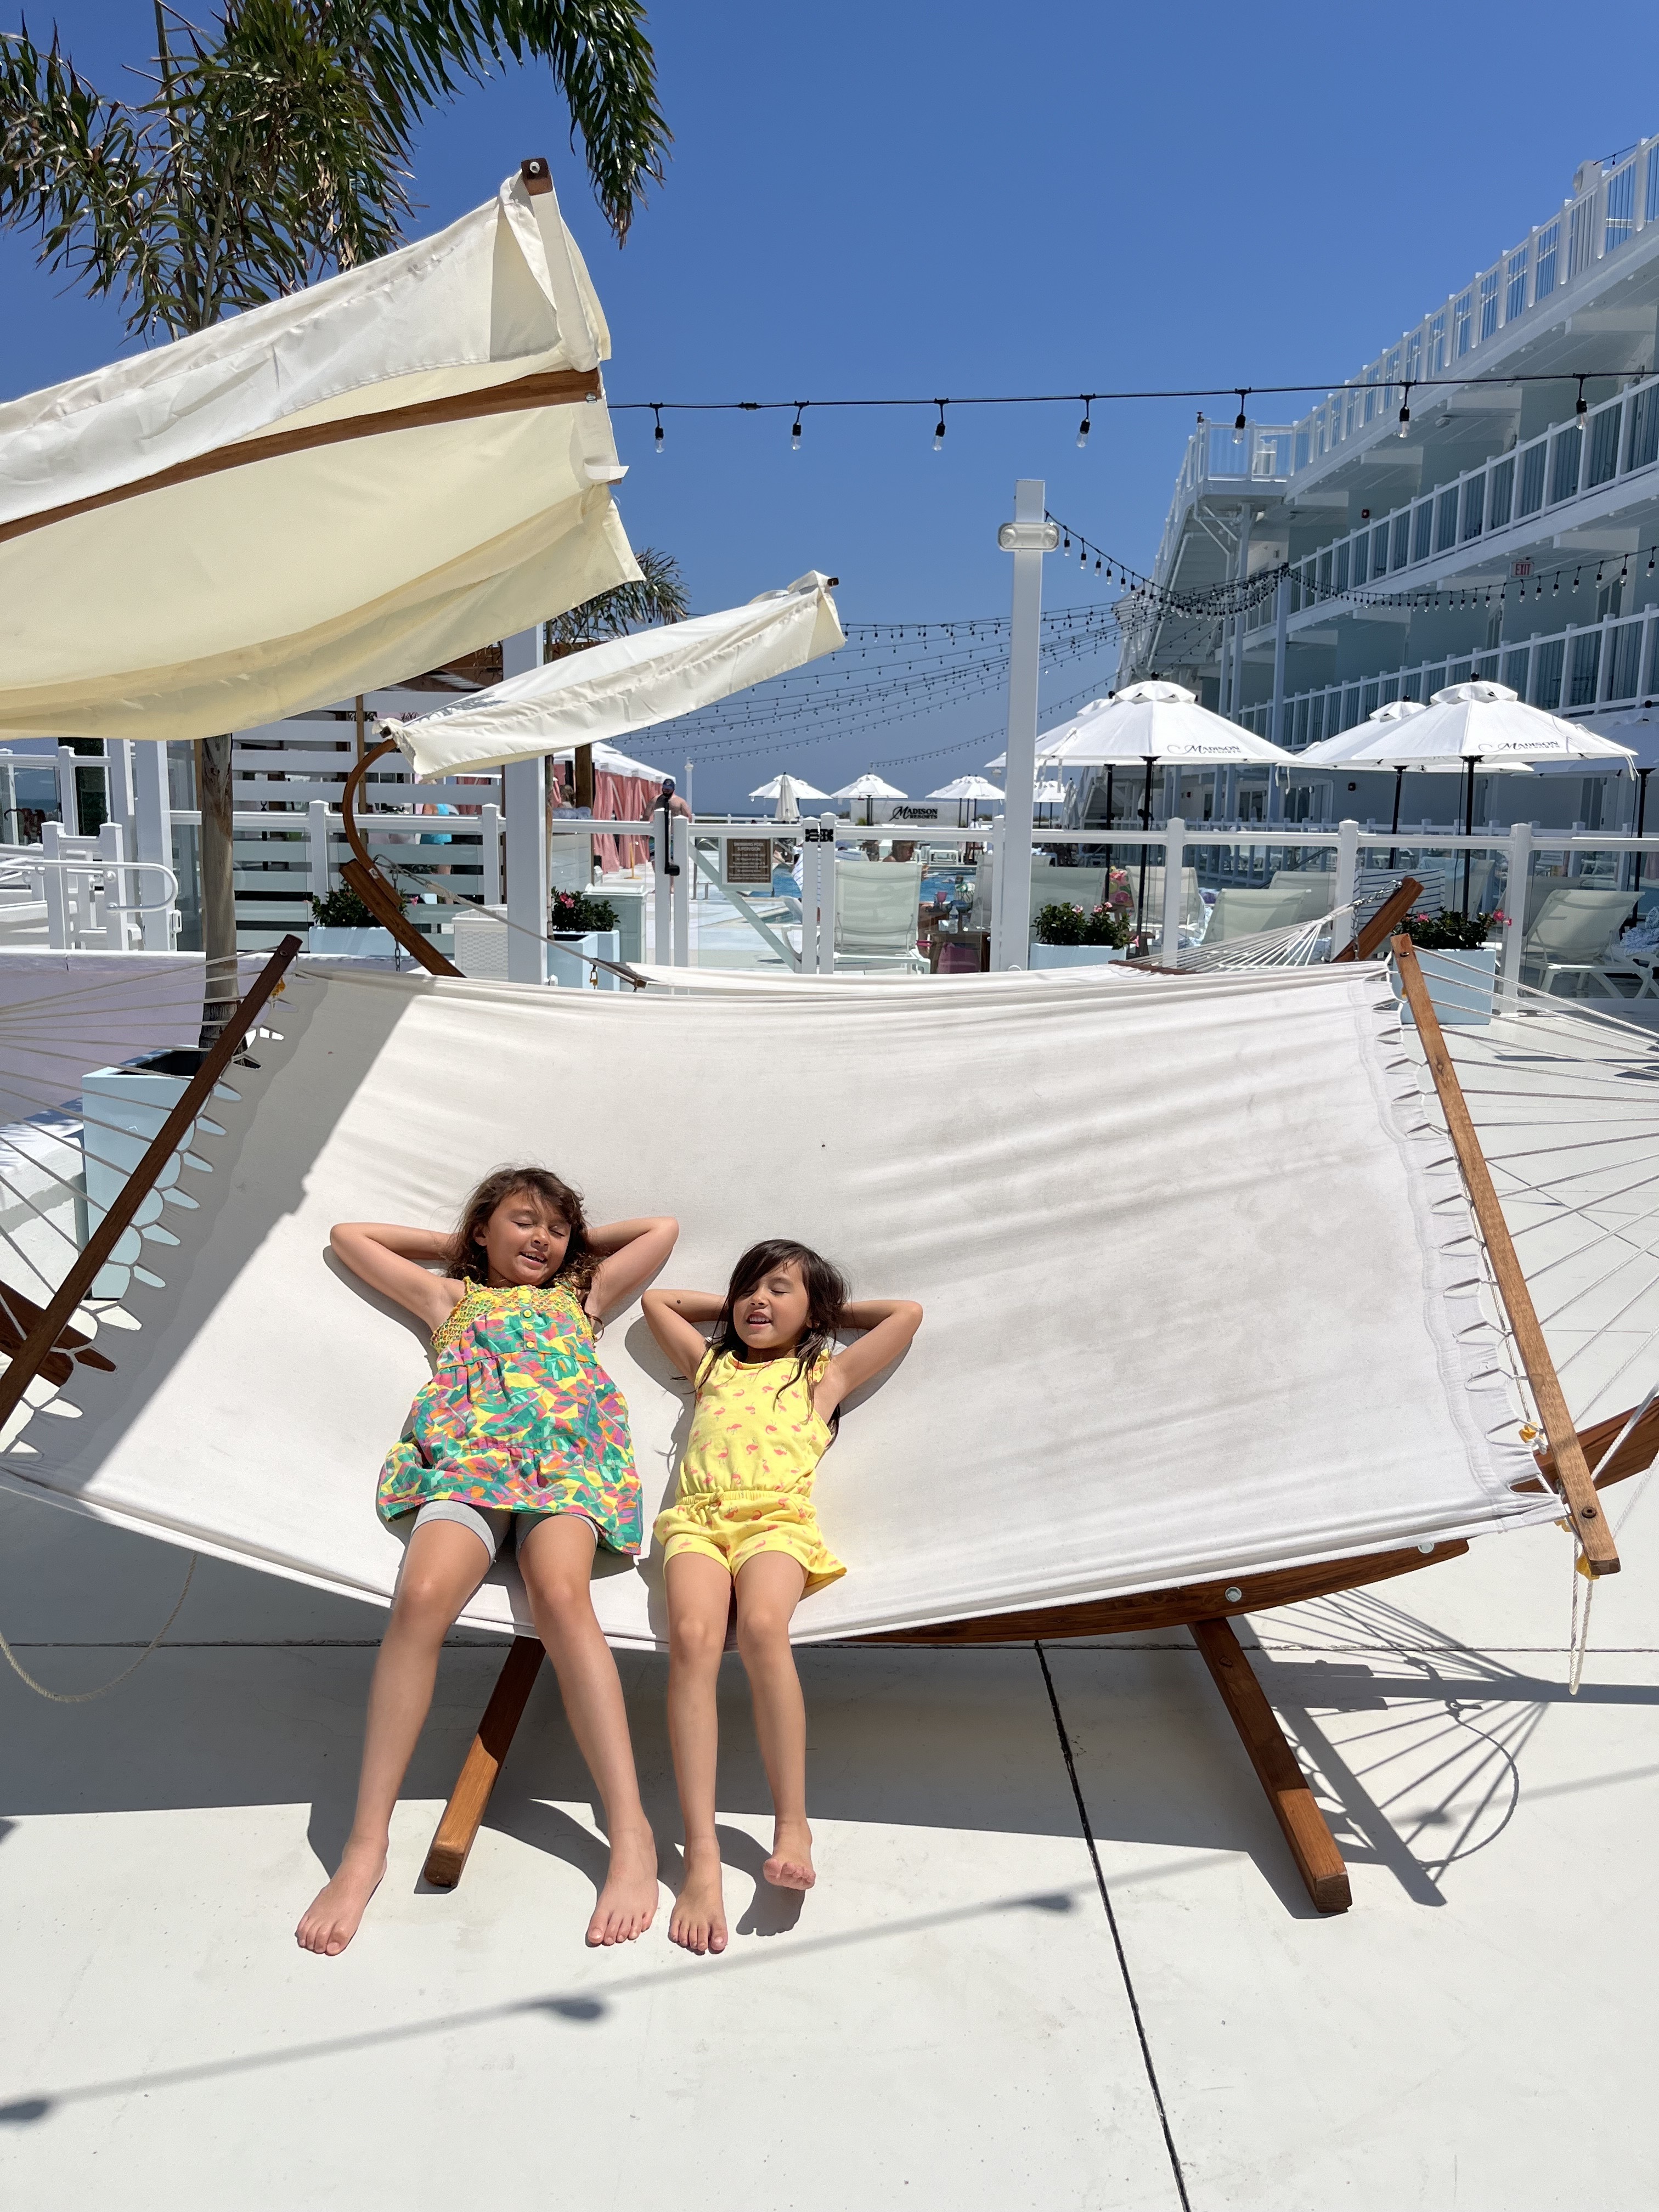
<point>1083,429</point>
<point>656,435</point>
<point>1405,409</point>
<point>794,430</point>
<point>1239,419</point>
<point>938,427</point>
<point>1581,407</point>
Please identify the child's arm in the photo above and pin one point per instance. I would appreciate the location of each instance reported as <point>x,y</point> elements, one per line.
<point>631,1253</point>
<point>397,1263</point>
<point>889,1324</point>
<point>674,1316</point>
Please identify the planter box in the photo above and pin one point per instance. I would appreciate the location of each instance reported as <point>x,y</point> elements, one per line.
<point>1076,956</point>
<point>564,968</point>
<point>1460,986</point>
<point>366,943</point>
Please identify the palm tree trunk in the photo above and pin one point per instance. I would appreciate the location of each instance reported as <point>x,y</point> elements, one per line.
<point>216,851</point>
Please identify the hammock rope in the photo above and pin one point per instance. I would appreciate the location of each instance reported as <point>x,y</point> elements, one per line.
<point>86,1696</point>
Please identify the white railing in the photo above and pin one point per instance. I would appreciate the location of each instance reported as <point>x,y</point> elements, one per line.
<point>1616,440</point>
<point>1220,459</point>
<point>1616,204</point>
<point>1586,667</point>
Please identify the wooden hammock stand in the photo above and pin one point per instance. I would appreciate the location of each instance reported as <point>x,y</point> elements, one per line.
<point>44,1342</point>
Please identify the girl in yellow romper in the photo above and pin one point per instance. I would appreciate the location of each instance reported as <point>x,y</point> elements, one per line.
<point>769,1385</point>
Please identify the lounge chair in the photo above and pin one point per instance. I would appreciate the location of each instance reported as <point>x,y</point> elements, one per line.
<point>1242,912</point>
<point>1573,935</point>
<point>1316,887</point>
<point>876,913</point>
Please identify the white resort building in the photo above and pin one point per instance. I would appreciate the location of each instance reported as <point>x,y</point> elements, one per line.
<point>1479,499</point>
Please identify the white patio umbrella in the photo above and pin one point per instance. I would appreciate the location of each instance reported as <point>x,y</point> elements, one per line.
<point>801,787</point>
<point>1482,724</point>
<point>1338,750</point>
<point>1160,724</point>
<point>978,789</point>
<point>788,805</point>
<point>868,786</point>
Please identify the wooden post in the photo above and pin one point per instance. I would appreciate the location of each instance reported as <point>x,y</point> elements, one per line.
<point>1384,922</point>
<point>463,1814</point>
<point>1295,1806</point>
<point>1571,1469</point>
<point>215,855</point>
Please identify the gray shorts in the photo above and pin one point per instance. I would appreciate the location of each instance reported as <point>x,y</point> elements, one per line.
<point>492,1528</point>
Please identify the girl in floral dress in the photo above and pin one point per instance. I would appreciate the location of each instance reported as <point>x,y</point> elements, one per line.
<point>520,1437</point>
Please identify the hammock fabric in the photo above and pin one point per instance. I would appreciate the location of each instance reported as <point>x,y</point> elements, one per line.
<point>1200,1283</point>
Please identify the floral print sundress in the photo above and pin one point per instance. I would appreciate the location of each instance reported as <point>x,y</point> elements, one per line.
<point>519,1417</point>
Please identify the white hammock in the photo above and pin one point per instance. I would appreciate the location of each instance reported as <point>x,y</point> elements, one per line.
<point>1197,1269</point>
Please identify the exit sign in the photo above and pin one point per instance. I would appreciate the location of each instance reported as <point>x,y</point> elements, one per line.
<point>1520,567</point>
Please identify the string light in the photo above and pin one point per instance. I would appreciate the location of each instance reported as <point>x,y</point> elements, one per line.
<point>794,430</point>
<point>1083,426</point>
<point>939,426</point>
<point>1239,419</point>
<point>1582,405</point>
<point>1405,410</point>
<point>657,434</point>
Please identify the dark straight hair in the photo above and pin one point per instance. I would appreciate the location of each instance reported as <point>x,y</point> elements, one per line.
<point>466,1259</point>
<point>826,1296</point>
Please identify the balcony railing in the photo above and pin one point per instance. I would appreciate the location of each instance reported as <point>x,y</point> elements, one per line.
<point>1616,440</point>
<point>1594,226</point>
<point>1220,459</point>
<point>1612,663</point>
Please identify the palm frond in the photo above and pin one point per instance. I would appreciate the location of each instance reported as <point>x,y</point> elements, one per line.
<point>658,596</point>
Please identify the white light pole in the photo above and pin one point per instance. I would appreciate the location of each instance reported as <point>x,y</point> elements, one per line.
<point>1028,538</point>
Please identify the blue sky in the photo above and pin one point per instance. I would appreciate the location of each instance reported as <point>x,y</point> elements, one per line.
<point>941,199</point>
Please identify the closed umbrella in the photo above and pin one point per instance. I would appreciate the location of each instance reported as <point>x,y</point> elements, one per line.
<point>788,808</point>
<point>1483,723</point>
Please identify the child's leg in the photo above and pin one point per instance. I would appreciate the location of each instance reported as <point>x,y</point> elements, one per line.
<point>769,1590</point>
<point>699,1600</point>
<point>556,1561</point>
<point>443,1566</point>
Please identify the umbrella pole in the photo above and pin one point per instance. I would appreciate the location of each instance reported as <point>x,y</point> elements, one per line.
<point>1394,826</point>
<point>1111,855</point>
<point>1468,826</point>
<point>1145,824</point>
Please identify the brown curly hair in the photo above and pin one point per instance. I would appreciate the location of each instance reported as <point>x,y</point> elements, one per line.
<point>465,1258</point>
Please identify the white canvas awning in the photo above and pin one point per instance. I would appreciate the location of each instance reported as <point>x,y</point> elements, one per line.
<point>321,496</point>
<point>626,683</point>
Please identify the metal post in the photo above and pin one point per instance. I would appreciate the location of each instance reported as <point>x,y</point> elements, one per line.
<point>1347,875</point>
<point>1240,620</point>
<point>1028,538</point>
<point>1276,719</point>
<point>1169,944</point>
<point>152,836</point>
<point>524,800</point>
<point>1515,915</point>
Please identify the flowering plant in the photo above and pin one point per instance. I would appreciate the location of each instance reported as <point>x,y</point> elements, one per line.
<point>1450,933</point>
<point>574,914</point>
<point>1075,925</point>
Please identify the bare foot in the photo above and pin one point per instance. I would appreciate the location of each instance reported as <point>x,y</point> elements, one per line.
<point>627,1902</point>
<point>331,1922</point>
<point>790,1866</point>
<point>698,1923</point>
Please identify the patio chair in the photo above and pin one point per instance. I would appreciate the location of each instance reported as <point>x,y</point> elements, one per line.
<point>1242,911</point>
<point>1192,899</point>
<point>876,912</point>
<point>1056,886</point>
<point>1573,935</point>
<point>1316,887</point>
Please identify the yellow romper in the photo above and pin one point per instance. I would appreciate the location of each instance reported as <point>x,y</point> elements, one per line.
<point>746,1482</point>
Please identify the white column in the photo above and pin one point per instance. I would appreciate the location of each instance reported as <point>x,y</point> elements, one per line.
<point>316,837</point>
<point>490,825</point>
<point>680,837</point>
<point>1347,875</point>
<point>69,800</point>
<point>524,800</point>
<point>1515,911</point>
<point>108,922</point>
<point>1240,621</point>
<point>1169,944</point>
<point>1028,538</point>
<point>56,891</point>
<point>119,786</point>
<point>662,910</point>
<point>152,838</point>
